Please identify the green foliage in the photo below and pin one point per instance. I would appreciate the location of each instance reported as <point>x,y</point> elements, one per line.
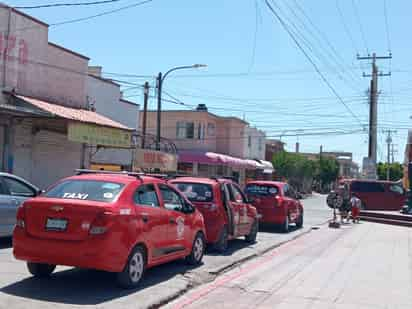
<point>395,171</point>
<point>328,170</point>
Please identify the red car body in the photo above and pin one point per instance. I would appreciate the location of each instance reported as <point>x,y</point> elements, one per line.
<point>275,203</point>
<point>102,234</point>
<point>375,195</point>
<point>223,205</point>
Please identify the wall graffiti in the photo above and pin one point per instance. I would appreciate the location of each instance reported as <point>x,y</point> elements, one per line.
<point>13,49</point>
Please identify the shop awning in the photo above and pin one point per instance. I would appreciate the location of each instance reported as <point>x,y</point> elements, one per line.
<point>212,158</point>
<point>78,115</point>
<point>266,166</point>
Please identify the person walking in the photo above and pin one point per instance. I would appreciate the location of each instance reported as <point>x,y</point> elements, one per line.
<point>356,205</point>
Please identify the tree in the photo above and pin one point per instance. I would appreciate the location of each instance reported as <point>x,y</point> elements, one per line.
<point>328,170</point>
<point>395,171</point>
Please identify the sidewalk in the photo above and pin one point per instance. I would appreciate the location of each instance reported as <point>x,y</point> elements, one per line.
<point>359,266</point>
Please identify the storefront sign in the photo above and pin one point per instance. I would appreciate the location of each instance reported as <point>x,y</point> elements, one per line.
<point>152,159</point>
<point>98,135</point>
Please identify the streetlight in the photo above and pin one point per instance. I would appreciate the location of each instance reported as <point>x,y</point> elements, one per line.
<point>160,80</point>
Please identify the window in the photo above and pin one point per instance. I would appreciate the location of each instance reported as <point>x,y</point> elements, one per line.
<point>237,195</point>
<point>261,190</point>
<point>171,198</point>
<point>92,190</point>
<point>367,186</point>
<point>18,188</point>
<point>196,192</point>
<point>260,144</point>
<point>185,129</point>
<point>397,189</point>
<point>146,195</point>
<point>249,141</point>
<point>211,129</point>
<point>199,131</point>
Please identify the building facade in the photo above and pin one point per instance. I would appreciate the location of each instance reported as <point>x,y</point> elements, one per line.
<point>46,123</point>
<point>208,144</point>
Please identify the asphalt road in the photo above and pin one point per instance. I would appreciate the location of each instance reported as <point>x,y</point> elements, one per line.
<point>80,288</point>
<point>364,265</point>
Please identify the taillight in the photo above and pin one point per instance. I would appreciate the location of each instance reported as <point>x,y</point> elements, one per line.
<point>278,199</point>
<point>101,224</point>
<point>20,217</point>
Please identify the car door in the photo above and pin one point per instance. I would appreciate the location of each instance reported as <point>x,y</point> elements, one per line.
<point>179,228</point>
<point>5,209</point>
<point>291,206</point>
<point>16,193</point>
<point>396,196</point>
<point>240,203</point>
<point>154,219</point>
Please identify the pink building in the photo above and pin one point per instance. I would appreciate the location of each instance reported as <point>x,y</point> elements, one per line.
<point>208,144</point>
<point>46,123</point>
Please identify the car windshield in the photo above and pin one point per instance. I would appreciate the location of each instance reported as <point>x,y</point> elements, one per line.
<point>196,192</point>
<point>262,190</point>
<point>100,191</point>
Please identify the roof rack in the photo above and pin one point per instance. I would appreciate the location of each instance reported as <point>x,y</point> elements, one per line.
<point>124,173</point>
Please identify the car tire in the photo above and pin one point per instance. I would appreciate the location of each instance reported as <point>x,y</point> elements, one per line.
<point>40,270</point>
<point>299,221</point>
<point>285,225</point>
<point>251,237</point>
<point>134,269</point>
<point>198,249</point>
<point>222,244</point>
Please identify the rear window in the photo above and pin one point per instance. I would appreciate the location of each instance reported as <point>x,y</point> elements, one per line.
<point>92,190</point>
<point>358,186</point>
<point>196,192</point>
<point>261,190</point>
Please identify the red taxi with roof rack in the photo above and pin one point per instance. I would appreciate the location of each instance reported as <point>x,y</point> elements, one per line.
<point>225,208</point>
<point>117,222</point>
<point>275,203</point>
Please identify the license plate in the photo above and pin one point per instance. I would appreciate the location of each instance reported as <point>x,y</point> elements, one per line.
<point>56,224</point>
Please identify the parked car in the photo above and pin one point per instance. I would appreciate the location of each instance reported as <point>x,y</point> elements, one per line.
<point>275,203</point>
<point>13,192</point>
<point>374,195</point>
<point>115,222</point>
<point>225,208</point>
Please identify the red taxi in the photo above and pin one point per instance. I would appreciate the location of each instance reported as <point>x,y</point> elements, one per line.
<point>276,203</point>
<point>225,208</point>
<point>116,222</point>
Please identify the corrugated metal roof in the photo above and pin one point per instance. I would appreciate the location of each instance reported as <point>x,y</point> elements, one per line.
<point>74,114</point>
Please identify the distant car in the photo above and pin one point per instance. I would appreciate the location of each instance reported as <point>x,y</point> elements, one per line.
<point>115,222</point>
<point>275,203</point>
<point>374,195</point>
<point>225,208</point>
<point>13,192</point>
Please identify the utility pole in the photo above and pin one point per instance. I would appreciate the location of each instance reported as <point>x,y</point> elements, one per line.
<point>373,104</point>
<point>144,122</point>
<point>393,151</point>
<point>388,160</point>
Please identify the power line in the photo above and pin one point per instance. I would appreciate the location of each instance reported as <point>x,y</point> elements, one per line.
<point>385,12</point>
<point>252,60</point>
<point>312,62</point>
<point>345,26</point>
<point>355,9</point>
<point>65,4</point>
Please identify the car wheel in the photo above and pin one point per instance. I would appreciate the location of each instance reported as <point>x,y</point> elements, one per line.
<point>285,225</point>
<point>222,244</point>
<point>134,270</point>
<point>40,270</point>
<point>251,237</point>
<point>299,222</point>
<point>198,249</point>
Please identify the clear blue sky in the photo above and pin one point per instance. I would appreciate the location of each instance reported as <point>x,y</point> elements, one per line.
<point>279,89</point>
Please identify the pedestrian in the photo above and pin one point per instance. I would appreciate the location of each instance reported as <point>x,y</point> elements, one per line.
<point>356,205</point>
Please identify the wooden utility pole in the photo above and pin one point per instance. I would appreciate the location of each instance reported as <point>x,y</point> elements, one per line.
<point>144,122</point>
<point>373,104</point>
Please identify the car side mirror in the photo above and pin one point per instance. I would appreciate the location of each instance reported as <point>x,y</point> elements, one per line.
<point>39,192</point>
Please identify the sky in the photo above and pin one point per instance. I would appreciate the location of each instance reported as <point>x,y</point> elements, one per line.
<point>255,69</point>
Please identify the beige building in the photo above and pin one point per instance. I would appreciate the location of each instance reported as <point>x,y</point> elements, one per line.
<point>208,144</point>
<point>46,122</point>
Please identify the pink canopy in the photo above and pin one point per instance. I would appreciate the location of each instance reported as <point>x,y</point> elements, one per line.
<point>213,158</point>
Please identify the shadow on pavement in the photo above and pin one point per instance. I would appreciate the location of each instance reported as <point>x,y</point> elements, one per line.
<point>5,242</point>
<point>88,287</point>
